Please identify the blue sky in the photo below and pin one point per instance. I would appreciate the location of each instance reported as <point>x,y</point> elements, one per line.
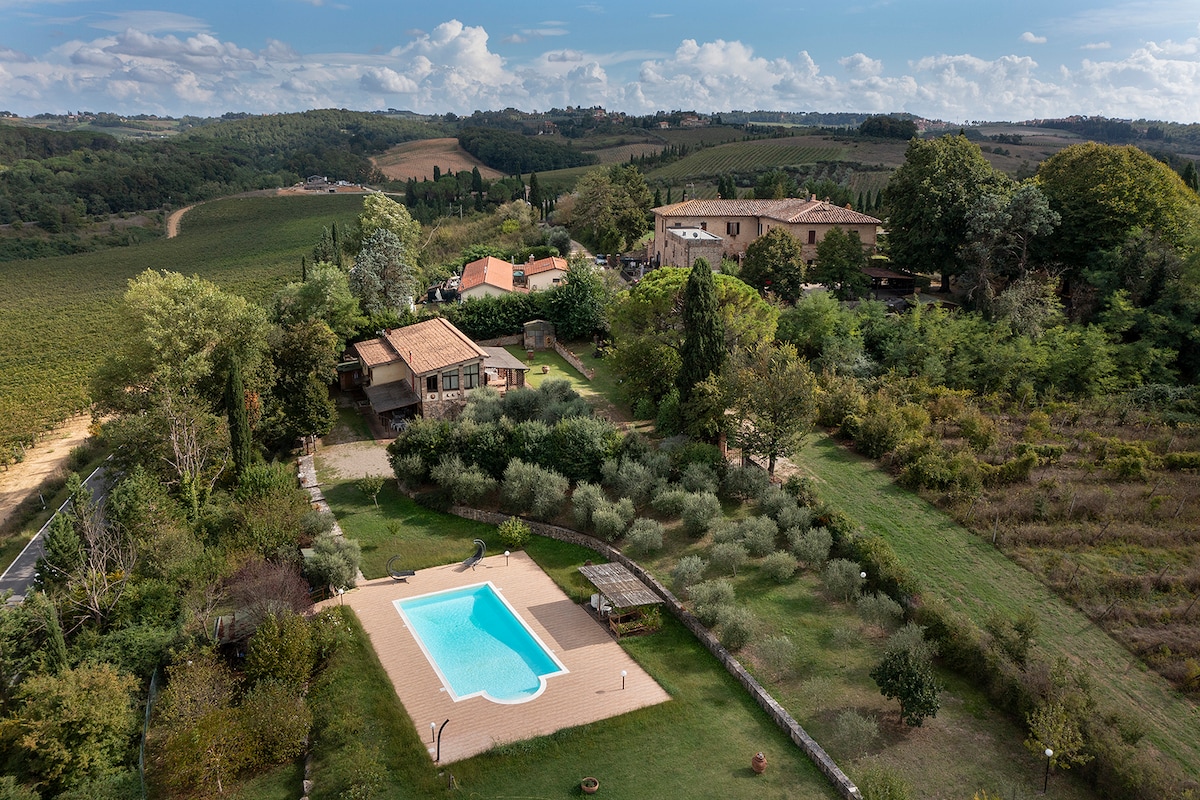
<point>958,61</point>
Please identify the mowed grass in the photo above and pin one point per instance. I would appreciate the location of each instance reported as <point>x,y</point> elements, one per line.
<point>700,741</point>
<point>976,578</point>
<point>599,391</point>
<point>59,316</point>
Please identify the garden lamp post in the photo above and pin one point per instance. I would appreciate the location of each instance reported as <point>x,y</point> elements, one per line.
<point>623,674</point>
<point>506,558</point>
<point>1046,782</point>
<point>432,731</point>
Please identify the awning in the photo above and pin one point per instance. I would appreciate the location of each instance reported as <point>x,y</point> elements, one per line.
<point>619,585</point>
<point>387,397</point>
<point>499,358</point>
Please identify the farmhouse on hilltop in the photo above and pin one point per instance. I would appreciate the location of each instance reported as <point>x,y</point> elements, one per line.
<point>738,223</point>
<point>426,369</point>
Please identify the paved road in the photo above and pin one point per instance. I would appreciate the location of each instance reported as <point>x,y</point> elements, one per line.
<point>19,576</point>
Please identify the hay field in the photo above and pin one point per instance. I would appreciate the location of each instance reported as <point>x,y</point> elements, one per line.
<point>417,160</point>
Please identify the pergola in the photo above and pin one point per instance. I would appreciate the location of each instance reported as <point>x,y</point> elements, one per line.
<point>623,592</point>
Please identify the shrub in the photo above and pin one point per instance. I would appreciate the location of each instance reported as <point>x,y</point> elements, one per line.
<point>842,578</point>
<point>698,477</point>
<point>530,488</point>
<point>277,723</point>
<point>777,654</point>
<point>854,733</point>
<point>628,478</point>
<point>315,524</point>
<point>736,627</point>
<point>699,511</point>
<point>581,444</point>
<point>688,571</point>
<point>709,597</point>
<point>644,409</point>
<point>794,517</point>
<point>876,608</point>
<point>465,485</point>
<point>727,556</point>
<point>803,489</point>
<point>669,420</point>
<point>758,535</point>
<point>779,566</point>
<point>724,530</point>
<point>911,639</point>
<point>645,536</point>
<point>410,470</point>
<point>608,524</point>
<point>514,533</point>
<point>586,498</point>
<point>882,783</point>
<point>281,651</point>
<point>670,501</point>
<point>811,546</point>
<point>979,430</point>
<point>772,501</point>
<point>744,483</point>
<point>335,562</point>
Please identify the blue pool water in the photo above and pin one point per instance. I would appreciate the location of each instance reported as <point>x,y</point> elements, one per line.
<point>478,644</point>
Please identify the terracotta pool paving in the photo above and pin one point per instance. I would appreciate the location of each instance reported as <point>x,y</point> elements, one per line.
<point>591,690</point>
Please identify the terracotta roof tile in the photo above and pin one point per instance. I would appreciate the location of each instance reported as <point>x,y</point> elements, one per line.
<point>545,265</point>
<point>490,270</point>
<point>426,346</point>
<point>792,209</point>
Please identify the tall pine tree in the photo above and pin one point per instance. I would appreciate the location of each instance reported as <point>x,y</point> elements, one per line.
<point>702,352</point>
<point>535,192</point>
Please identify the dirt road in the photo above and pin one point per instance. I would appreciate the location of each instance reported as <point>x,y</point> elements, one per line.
<point>44,460</point>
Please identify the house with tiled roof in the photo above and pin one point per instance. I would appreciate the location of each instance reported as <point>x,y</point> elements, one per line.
<point>541,273</point>
<point>738,223</point>
<point>488,276</point>
<point>426,369</point>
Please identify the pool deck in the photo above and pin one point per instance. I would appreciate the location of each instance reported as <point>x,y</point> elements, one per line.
<point>590,691</point>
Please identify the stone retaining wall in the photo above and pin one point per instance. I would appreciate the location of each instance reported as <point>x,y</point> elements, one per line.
<point>782,718</point>
<point>574,361</point>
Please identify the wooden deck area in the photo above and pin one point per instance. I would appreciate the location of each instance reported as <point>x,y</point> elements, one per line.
<point>589,691</point>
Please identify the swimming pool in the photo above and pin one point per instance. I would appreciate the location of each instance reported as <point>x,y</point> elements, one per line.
<point>479,645</point>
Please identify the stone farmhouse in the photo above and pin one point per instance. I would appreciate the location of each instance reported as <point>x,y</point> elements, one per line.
<point>735,224</point>
<point>426,369</point>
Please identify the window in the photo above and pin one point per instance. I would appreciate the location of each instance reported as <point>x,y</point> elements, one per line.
<point>431,383</point>
<point>470,376</point>
<point>703,226</point>
<point>812,237</point>
<point>733,228</point>
<point>449,381</point>
<point>760,229</point>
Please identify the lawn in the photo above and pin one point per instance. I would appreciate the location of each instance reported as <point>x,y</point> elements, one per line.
<point>704,737</point>
<point>975,577</point>
<point>601,391</point>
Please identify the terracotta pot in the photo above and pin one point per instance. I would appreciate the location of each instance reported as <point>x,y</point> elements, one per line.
<point>589,785</point>
<point>758,763</point>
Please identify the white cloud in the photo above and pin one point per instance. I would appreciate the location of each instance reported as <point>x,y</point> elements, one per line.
<point>167,68</point>
<point>1030,38</point>
<point>1095,46</point>
<point>149,22</point>
<point>860,65</point>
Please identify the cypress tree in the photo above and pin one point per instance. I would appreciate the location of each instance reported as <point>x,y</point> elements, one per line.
<point>703,350</point>
<point>437,174</point>
<point>303,270</point>
<point>239,419</point>
<point>1190,177</point>
<point>535,192</point>
<point>657,198</point>
<point>668,195</point>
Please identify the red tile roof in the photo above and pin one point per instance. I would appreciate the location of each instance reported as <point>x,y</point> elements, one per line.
<point>426,347</point>
<point>793,209</point>
<point>492,271</point>
<point>544,265</point>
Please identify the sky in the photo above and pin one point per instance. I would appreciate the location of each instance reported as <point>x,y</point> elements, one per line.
<point>960,61</point>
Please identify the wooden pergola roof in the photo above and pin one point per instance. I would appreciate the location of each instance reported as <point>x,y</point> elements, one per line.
<point>619,585</point>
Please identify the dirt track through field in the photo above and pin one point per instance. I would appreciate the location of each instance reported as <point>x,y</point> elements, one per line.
<point>42,461</point>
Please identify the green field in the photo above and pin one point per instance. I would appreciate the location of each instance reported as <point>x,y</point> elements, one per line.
<point>976,578</point>
<point>58,316</point>
<point>750,157</point>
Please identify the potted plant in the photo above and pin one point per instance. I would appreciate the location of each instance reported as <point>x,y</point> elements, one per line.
<point>589,785</point>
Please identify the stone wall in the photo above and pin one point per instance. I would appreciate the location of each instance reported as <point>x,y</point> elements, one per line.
<point>574,361</point>
<point>782,718</point>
